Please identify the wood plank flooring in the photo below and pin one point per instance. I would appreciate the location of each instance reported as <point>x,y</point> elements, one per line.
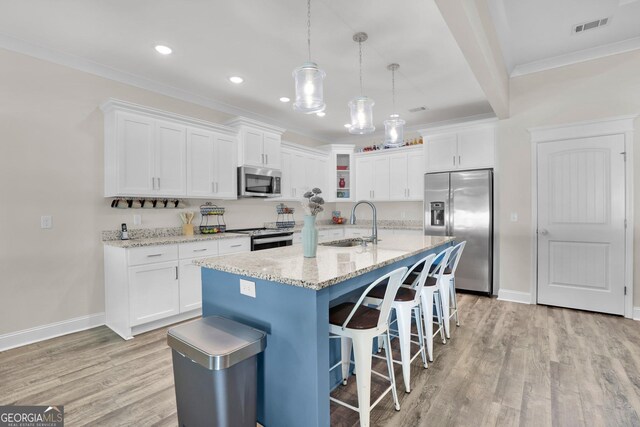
<point>508,364</point>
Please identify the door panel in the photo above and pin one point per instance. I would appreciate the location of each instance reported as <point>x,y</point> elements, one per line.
<point>135,154</point>
<point>253,150</point>
<point>476,148</point>
<point>154,292</point>
<point>364,179</point>
<point>415,176</point>
<point>581,213</point>
<point>171,150</point>
<point>272,150</point>
<point>398,176</point>
<point>470,221</point>
<point>441,153</point>
<point>190,286</point>
<point>381,178</point>
<point>226,172</point>
<point>200,149</point>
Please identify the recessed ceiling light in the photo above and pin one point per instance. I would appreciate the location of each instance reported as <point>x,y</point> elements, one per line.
<point>164,50</point>
<point>347,125</point>
<point>321,114</point>
<point>236,79</point>
<point>284,99</point>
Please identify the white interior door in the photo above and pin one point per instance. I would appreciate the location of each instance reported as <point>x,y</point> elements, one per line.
<point>581,224</point>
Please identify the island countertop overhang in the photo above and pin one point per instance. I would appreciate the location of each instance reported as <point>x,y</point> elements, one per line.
<point>331,266</point>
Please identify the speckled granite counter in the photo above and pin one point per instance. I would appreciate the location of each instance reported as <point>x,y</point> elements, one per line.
<point>332,264</point>
<point>169,240</point>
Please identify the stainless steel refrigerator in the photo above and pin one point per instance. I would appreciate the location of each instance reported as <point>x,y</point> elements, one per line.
<point>460,204</point>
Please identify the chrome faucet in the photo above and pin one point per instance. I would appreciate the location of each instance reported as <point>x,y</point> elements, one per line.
<point>374,228</point>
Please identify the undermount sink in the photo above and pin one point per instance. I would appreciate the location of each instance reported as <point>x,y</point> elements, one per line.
<point>343,243</point>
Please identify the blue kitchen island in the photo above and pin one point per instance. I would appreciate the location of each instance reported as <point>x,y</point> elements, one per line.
<point>289,299</point>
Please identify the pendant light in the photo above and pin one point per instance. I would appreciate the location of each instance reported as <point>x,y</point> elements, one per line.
<point>394,125</point>
<point>361,107</point>
<point>308,80</point>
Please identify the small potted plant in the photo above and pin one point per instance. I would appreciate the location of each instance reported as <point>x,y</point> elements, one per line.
<point>312,207</point>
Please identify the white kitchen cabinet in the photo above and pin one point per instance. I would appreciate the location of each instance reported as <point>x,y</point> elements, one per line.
<point>170,159</point>
<point>211,165</point>
<point>259,143</point>
<point>406,175</point>
<point>190,286</point>
<point>154,291</point>
<point>302,169</point>
<point>372,177</point>
<point>153,153</point>
<point>152,286</point>
<point>460,149</point>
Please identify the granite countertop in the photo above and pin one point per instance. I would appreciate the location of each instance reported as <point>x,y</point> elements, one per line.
<point>332,264</point>
<point>169,240</point>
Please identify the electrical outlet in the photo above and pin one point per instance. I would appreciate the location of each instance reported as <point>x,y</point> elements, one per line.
<point>514,216</point>
<point>248,288</point>
<point>137,219</point>
<point>46,222</point>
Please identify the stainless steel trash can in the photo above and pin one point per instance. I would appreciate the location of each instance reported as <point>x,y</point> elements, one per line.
<point>215,372</point>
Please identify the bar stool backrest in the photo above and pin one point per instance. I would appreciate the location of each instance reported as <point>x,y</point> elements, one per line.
<point>456,254</point>
<point>418,284</point>
<point>394,281</point>
<point>442,260</point>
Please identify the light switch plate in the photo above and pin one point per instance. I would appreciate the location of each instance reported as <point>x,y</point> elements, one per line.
<point>46,222</point>
<point>248,288</point>
<point>514,216</point>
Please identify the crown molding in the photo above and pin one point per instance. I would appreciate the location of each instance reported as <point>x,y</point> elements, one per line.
<point>77,63</point>
<point>583,129</point>
<point>113,104</point>
<point>576,57</point>
<point>245,121</point>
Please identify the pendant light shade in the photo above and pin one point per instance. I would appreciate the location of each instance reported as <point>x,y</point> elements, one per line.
<point>361,107</point>
<point>394,125</point>
<point>309,96</point>
<point>308,80</point>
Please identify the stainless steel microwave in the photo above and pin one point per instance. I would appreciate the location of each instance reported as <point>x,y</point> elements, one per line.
<point>258,182</point>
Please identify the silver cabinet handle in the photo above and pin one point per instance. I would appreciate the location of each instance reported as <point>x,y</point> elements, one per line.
<point>454,160</point>
<point>262,155</point>
<point>459,160</point>
<point>158,183</point>
<point>236,246</point>
<point>153,183</point>
<point>266,159</point>
<point>154,255</point>
<point>200,250</point>
<point>176,272</point>
<point>408,192</point>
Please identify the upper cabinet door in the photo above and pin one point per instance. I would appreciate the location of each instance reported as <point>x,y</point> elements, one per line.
<point>442,153</point>
<point>200,167</point>
<point>135,154</point>
<point>476,148</point>
<point>252,148</point>
<point>381,177</point>
<point>415,176</point>
<point>226,171</point>
<point>271,150</point>
<point>171,151</point>
<point>398,176</point>
<point>364,178</point>
<point>298,175</point>
<point>285,182</point>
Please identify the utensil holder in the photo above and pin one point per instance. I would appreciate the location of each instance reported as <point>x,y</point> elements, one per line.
<point>187,229</point>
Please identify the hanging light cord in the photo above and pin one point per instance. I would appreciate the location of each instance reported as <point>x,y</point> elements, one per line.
<point>393,90</point>
<point>309,28</point>
<point>360,48</point>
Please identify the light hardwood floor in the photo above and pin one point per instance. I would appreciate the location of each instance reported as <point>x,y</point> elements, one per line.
<point>508,364</point>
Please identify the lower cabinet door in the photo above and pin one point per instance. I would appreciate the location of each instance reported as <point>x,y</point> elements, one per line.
<point>154,292</point>
<point>190,286</point>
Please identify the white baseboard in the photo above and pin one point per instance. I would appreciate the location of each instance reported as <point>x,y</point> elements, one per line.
<point>636,313</point>
<point>514,296</point>
<point>52,330</point>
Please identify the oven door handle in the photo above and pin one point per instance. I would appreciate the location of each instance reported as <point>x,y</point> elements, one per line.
<point>272,240</point>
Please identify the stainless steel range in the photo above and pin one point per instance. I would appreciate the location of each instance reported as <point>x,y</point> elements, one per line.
<point>266,238</point>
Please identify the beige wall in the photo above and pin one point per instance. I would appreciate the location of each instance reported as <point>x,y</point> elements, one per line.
<point>591,90</point>
<point>51,162</point>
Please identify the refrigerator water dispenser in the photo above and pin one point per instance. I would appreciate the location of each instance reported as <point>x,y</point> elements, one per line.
<point>437,214</point>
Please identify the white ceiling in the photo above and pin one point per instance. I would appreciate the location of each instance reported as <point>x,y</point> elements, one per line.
<point>537,34</point>
<point>263,41</point>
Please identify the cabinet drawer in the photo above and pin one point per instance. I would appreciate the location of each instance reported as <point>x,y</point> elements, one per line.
<point>336,233</point>
<point>230,246</point>
<point>152,254</point>
<point>202,249</point>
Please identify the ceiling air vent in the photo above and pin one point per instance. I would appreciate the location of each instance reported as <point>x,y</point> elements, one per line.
<point>417,109</point>
<point>581,28</point>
